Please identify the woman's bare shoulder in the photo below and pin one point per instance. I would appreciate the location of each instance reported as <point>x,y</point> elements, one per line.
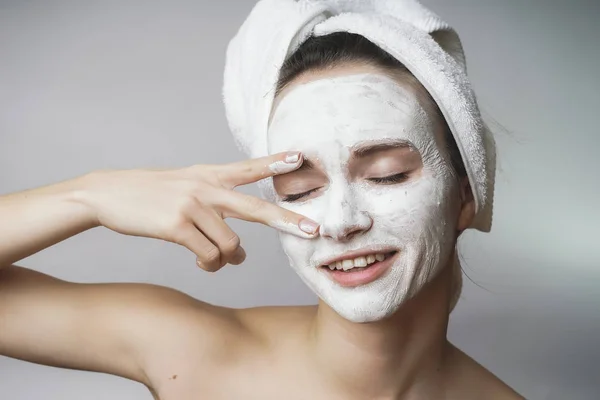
<point>474,381</point>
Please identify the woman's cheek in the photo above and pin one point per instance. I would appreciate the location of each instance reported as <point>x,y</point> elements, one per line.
<point>298,251</point>
<point>408,208</point>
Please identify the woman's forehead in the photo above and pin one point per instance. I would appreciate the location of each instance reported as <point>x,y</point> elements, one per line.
<point>345,111</point>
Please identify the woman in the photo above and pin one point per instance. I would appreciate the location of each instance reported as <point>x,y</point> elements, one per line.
<point>370,205</point>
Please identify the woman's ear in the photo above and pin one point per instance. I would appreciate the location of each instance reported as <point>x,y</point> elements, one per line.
<point>467,206</point>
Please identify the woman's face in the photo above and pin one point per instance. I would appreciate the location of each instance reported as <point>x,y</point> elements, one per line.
<point>377,178</point>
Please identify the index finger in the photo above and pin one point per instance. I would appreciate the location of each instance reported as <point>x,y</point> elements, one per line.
<point>255,169</point>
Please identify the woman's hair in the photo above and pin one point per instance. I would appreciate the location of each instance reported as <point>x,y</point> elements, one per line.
<point>340,48</point>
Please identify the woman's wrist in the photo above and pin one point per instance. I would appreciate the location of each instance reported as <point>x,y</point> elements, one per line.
<point>78,192</point>
<point>35,219</point>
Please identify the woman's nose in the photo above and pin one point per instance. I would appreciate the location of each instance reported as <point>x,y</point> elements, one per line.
<point>343,219</point>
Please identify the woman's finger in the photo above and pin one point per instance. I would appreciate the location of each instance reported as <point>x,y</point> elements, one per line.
<point>255,169</point>
<point>208,255</point>
<point>238,256</point>
<point>253,209</point>
<point>218,232</point>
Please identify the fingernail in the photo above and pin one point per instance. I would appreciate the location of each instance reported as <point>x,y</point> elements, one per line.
<point>308,226</point>
<point>292,158</point>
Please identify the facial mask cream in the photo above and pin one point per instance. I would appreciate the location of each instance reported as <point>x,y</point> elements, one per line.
<point>327,119</point>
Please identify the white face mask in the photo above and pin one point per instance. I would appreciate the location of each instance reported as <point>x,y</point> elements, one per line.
<point>327,119</point>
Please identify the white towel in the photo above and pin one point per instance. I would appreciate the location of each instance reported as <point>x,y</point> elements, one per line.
<point>418,38</point>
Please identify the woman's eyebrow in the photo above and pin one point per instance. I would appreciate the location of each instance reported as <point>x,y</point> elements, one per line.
<point>367,149</point>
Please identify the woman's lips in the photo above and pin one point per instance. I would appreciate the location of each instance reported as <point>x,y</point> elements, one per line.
<point>361,275</point>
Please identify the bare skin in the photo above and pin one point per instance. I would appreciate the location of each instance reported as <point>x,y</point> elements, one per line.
<point>185,349</point>
<point>182,348</point>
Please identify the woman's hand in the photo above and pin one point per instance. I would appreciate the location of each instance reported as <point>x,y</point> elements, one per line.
<point>187,206</point>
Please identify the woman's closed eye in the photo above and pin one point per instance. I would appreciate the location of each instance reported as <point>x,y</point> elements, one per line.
<point>297,196</point>
<point>390,179</point>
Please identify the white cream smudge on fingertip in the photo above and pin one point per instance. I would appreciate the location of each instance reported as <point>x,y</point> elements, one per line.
<point>289,164</point>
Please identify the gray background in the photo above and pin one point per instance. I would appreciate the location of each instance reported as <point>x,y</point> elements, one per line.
<point>107,84</point>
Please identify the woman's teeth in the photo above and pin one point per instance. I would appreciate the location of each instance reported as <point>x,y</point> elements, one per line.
<point>360,262</point>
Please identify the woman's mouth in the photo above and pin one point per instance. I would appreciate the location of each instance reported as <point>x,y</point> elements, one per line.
<point>360,270</point>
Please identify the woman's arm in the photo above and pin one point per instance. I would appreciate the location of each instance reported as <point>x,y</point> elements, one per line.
<point>35,219</point>
<point>108,328</point>
<point>127,329</point>
<point>137,331</point>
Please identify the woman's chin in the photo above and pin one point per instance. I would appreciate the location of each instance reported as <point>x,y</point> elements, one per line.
<point>362,312</point>
<point>366,318</point>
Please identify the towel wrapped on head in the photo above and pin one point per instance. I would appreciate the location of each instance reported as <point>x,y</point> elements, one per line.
<point>429,48</point>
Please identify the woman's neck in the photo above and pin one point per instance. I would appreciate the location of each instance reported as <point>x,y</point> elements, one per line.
<point>399,357</point>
